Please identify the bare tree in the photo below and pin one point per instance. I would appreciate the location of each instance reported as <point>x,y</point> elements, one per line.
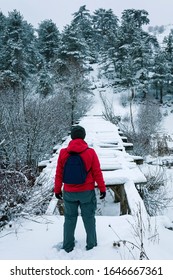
<point>145,125</point>
<point>76,89</point>
<point>109,113</point>
<point>31,126</point>
<point>154,193</point>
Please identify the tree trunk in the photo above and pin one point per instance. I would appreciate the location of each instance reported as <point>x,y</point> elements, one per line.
<point>131,112</point>
<point>72,113</point>
<point>161,93</point>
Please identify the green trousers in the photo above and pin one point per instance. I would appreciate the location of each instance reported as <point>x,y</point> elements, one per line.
<point>87,203</point>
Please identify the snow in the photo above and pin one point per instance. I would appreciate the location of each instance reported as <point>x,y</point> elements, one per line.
<point>161,36</point>
<point>36,237</point>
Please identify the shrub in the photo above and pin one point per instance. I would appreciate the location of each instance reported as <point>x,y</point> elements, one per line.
<point>14,192</point>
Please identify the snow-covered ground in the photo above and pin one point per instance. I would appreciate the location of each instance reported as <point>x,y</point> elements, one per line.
<point>36,237</point>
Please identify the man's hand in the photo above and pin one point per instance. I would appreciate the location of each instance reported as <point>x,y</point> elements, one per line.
<point>59,195</point>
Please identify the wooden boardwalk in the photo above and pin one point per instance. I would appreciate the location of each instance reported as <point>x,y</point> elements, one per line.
<point>120,169</point>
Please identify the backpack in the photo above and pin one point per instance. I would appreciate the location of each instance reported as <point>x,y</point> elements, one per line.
<point>74,169</point>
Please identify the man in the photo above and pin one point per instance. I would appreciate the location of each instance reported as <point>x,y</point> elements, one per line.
<point>79,195</point>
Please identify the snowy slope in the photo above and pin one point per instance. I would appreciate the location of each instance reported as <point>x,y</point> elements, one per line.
<point>36,237</point>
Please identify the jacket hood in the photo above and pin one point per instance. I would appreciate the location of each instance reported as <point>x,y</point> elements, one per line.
<point>77,145</point>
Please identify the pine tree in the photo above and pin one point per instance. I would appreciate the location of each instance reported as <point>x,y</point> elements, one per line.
<point>45,86</point>
<point>83,24</point>
<point>161,74</point>
<point>131,38</point>
<point>105,25</point>
<point>15,57</point>
<point>133,54</point>
<point>168,43</point>
<point>2,30</point>
<point>48,40</point>
<point>72,52</point>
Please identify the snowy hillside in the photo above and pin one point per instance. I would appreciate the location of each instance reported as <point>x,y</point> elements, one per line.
<point>119,237</point>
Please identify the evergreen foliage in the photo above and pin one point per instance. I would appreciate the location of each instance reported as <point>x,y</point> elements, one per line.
<point>82,25</point>
<point>44,84</point>
<point>48,39</point>
<point>15,55</point>
<point>105,25</point>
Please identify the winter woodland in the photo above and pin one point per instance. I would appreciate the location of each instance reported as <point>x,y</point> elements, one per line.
<point>114,76</point>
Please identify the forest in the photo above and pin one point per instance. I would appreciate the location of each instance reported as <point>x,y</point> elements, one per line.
<point>45,82</point>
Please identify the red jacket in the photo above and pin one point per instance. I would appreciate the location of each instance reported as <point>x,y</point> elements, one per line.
<point>91,161</point>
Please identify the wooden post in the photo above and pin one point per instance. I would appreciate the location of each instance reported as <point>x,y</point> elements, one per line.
<point>120,196</point>
<point>60,206</point>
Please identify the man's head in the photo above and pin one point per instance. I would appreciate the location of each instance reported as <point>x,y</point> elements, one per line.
<point>78,132</point>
